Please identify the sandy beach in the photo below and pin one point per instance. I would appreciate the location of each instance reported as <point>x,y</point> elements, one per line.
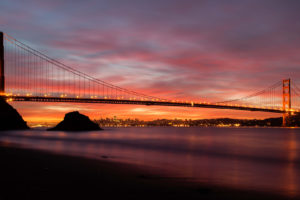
<point>31,174</point>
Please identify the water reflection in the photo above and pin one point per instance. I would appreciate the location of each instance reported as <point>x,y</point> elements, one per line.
<point>291,172</point>
<point>260,159</point>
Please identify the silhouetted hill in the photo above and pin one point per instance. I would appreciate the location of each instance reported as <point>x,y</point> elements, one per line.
<point>74,121</point>
<point>293,120</point>
<point>10,119</point>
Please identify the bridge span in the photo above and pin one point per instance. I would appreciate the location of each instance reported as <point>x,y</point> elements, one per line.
<point>146,102</point>
<point>29,75</point>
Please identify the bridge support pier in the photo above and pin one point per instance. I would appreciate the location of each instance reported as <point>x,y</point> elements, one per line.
<point>2,81</point>
<point>286,100</point>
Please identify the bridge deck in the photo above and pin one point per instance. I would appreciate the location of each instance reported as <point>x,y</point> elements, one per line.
<point>139,102</point>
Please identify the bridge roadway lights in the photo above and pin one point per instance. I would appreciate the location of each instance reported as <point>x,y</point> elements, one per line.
<point>137,102</point>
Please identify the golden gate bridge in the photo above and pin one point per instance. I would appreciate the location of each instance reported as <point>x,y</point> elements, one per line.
<point>27,74</point>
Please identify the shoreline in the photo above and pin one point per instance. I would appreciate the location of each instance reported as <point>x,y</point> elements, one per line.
<point>33,174</point>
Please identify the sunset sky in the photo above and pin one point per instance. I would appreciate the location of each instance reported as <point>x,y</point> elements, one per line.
<point>189,49</point>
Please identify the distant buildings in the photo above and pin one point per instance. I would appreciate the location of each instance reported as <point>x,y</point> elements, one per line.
<point>222,122</point>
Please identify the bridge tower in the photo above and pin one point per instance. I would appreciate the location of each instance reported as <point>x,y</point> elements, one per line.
<point>286,100</point>
<point>2,82</point>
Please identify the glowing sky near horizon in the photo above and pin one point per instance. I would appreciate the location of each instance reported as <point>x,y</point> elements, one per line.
<point>206,50</point>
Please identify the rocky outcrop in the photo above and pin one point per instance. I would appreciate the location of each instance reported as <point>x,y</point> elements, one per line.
<point>74,121</point>
<point>10,119</point>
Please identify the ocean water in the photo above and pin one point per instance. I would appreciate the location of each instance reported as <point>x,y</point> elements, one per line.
<point>263,159</point>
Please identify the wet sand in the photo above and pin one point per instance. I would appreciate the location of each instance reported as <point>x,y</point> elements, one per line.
<point>31,174</point>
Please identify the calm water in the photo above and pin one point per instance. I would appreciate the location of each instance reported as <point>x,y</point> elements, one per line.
<point>266,159</point>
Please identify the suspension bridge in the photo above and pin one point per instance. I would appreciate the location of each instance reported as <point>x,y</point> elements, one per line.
<point>27,74</point>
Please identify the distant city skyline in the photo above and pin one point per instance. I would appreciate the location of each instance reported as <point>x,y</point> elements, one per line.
<point>172,49</point>
<point>176,122</point>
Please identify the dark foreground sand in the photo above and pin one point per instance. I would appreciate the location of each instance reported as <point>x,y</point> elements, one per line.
<point>30,174</point>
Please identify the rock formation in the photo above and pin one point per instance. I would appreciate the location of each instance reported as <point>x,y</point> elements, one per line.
<point>10,119</point>
<point>74,121</point>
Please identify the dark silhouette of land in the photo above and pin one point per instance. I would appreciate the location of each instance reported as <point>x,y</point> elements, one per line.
<point>74,121</point>
<point>10,119</point>
<point>294,120</point>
